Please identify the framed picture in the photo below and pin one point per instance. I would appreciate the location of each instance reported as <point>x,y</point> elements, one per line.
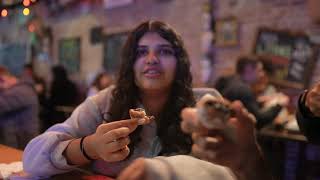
<point>291,54</point>
<point>112,46</point>
<point>69,54</point>
<point>227,32</point>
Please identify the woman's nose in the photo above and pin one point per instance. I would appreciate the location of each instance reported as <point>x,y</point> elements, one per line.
<point>152,58</point>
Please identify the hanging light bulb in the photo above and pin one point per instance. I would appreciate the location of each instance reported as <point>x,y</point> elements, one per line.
<point>26,3</point>
<point>4,13</point>
<point>26,11</point>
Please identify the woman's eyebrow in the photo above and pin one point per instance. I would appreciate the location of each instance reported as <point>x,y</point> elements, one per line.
<point>159,45</point>
<point>165,45</point>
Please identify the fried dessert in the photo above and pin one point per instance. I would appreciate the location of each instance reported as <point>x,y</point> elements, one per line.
<point>140,113</point>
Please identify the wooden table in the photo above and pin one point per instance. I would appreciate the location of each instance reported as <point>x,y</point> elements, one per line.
<point>270,131</point>
<point>9,154</point>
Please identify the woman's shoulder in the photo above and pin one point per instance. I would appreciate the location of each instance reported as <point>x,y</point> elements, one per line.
<point>102,98</point>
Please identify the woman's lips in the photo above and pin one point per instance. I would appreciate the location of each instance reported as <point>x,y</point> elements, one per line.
<point>152,73</point>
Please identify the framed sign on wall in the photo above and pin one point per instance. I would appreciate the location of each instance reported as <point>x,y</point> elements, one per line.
<point>292,56</point>
<point>69,54</point>
<point>112,46</point>
<point>227,32</point>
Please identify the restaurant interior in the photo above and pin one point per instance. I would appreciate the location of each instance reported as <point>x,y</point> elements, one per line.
<point>70,50</point>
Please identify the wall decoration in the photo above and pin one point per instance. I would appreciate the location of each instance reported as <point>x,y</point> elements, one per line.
<point>112,45</point>
<point>292,55</point>
<point>69,54</point>
<point>227,32</point>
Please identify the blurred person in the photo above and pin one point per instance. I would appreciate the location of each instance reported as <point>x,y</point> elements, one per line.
<point>308,113</point>
<point>44,110</point>
<point>249,70</point>
<point>267,94</point>
<point>263,86</point>
<point>63,93</point>
<point>28,73</point>
<point>19,108</point>
<point>102,81</point>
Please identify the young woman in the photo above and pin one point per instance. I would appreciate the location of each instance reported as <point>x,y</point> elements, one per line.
<point>155,75</point>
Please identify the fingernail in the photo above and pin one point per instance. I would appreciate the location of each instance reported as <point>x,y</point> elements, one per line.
<point>212,140</point>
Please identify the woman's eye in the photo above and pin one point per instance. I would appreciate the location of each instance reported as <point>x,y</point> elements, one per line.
<point>166,52</point>
<point>141,52</point>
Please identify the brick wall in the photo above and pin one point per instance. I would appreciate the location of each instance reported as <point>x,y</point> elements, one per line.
<point>184,15</point>
<point>277,14</point>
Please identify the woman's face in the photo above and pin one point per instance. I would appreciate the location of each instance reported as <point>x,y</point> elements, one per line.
<point>105,81</point>
<point>155,64</point>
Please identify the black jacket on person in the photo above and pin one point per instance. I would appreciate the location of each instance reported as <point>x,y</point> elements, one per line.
<point>308,123</point>
<point>233,88</point>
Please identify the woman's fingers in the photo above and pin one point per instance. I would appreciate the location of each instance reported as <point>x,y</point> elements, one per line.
<point>115,134</point>
<point>190,121</point>
<point>117,144</point>
<point>204,154</point>
<point>118,155</point>
<point>211,143</point>
<point>131,124</point>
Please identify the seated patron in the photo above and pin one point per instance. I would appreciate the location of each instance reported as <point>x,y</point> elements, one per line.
<point>308,114</point>
<point>249,70</point>
<point>19,108</point>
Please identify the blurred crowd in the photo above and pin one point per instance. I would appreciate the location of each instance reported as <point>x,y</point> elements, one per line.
<point>30,105</point>
<point>29,100</point>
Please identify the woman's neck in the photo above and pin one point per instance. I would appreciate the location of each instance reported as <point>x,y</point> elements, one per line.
<point>154,102</point>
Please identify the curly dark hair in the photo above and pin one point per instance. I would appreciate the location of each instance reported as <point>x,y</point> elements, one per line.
<point>126,96</point>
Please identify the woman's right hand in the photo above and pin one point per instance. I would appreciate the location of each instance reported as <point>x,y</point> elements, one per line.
<point>110,141</point>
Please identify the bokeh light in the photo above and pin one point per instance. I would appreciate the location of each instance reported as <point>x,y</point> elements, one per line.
<point>26,11</point>
<point>26,3</point>
<point>4,13</point>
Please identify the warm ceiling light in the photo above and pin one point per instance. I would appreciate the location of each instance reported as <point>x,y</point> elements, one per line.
<point>26,3</point>
<point>4,13</point>
<point>26,11</point>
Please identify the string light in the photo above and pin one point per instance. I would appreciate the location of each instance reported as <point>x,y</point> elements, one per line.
<point>26,3</point>
<point>26,11</point>
<point>4,13</point>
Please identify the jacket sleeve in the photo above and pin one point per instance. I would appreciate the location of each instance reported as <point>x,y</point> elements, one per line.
<point>308,123</point>
<point>185,167</point>
<point>15,98</point>
<point>263,117</point>
<point>43,155</point>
